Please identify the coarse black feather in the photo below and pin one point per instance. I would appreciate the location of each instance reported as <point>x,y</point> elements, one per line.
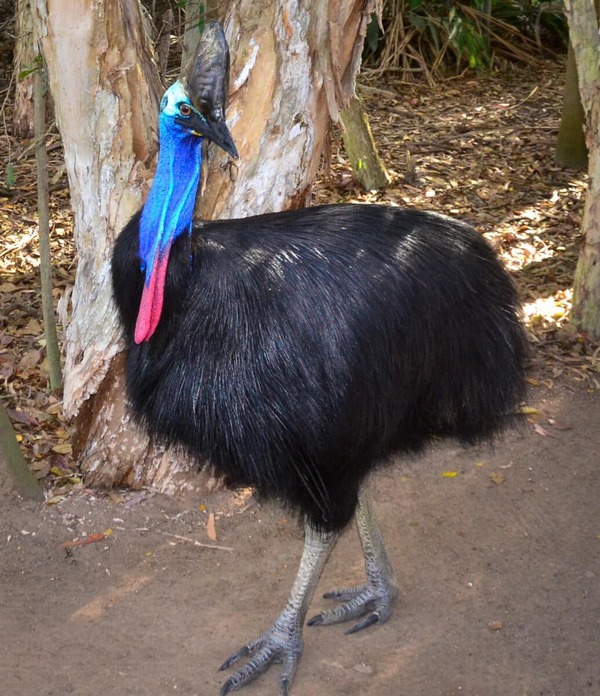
<point>299,350</point>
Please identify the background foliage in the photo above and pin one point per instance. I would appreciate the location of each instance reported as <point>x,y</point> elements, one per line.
<point>432,39</point>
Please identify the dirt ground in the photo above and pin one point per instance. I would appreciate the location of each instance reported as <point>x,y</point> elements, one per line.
<point>496,553</point>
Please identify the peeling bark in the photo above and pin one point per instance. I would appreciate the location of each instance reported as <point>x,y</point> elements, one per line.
<point>293,66</point>
<point>106,90</point>
<point>97,59</point>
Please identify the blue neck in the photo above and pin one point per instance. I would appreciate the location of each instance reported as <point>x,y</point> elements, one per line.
<point>169,208</point>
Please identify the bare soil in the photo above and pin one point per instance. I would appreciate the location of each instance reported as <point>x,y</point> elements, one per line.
<point>496,552</point>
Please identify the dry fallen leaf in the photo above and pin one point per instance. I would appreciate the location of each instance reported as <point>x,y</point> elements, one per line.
<point>211,530</point>
<point>92,538</point>
<point>527,410</point>
<point>64,448</point>
<point>23,417</point>
<point>54,499</point>
<point>542,431</point>
<point>559,425</point>
<point>30,360</point>
<point>497,478</point>
<point>32,328</point>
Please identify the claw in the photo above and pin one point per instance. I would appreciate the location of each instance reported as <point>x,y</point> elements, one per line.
<point>365,623</point>
<point>263,652</point>
<point>372,603</point>
<point>226,688</point>
<point>283,641</point>
<point>232,659</point>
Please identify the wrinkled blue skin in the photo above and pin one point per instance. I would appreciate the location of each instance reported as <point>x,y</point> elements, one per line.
<point>299,351</point>
<point>169,208</point>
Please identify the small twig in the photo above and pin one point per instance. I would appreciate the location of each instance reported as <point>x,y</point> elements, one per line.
<point>91,539</point>
<point>198,543</point>
<point>527,98</point>
<point>36,141</point>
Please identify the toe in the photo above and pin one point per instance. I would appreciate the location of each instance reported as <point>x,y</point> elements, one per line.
<point>365,623</point>
<point>232,659</point>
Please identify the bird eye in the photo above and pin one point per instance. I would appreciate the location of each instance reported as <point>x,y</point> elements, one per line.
<point>185,110</point>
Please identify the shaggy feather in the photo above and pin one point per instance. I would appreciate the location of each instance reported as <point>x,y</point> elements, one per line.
<point>300,350</point>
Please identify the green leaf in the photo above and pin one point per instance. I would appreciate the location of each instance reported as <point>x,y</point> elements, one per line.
<point>37,64</point>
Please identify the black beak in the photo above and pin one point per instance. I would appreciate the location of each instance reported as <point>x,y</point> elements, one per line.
<point>216,131</point>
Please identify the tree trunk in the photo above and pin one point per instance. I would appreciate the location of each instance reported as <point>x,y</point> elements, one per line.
<point>571,150</point>
<point>290,73</point>
<point>586,288</point>
<point>24,57</point>
<point>583,26</point>
<point>106,91</point>
<point>291,66</point>
<point>361,149</point>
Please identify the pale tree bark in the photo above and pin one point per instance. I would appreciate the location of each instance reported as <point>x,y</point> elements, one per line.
<point>292,65</point>
<point>23,62</point>
<point>583,26</point>
<point>291,72</point>
<point>106,92</point>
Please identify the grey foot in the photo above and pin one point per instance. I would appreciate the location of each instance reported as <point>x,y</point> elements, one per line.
<point>374,602</point>
<point>275,645</point>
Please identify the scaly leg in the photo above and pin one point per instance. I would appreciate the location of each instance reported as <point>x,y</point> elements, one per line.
<point>374,600</point>
<point>283,641</point>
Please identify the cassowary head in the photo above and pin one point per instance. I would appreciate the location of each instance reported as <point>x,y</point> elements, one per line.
<point>179,118</point>
<point>192,109</point>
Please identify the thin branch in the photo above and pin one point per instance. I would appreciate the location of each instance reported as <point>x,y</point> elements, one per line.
<point>198,543</point>
<point>52,349</point>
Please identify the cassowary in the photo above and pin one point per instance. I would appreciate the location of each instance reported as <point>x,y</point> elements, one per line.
<point>298,351</point>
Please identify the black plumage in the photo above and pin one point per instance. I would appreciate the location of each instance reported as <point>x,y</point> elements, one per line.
<point>297,351</point>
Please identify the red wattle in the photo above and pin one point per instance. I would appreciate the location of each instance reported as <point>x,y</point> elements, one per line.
<point>152,299</point>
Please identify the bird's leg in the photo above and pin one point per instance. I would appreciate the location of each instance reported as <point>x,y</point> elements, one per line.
<point>375,598</point>
<point>283,641</point>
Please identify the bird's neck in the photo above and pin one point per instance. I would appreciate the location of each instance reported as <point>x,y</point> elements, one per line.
<point>169,208</point>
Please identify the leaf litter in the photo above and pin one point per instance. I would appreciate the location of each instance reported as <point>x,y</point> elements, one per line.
<point>479,148</point>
